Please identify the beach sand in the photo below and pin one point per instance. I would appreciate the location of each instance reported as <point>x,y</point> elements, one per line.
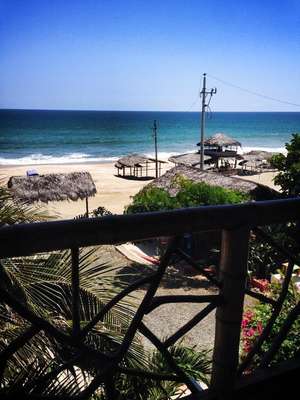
<point>113,192</point>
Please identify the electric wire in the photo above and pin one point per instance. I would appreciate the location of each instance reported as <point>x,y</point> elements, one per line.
<point>253,92</point>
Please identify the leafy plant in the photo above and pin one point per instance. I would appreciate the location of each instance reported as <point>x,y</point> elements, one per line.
<point>43,284</point>
<point>255,320</point>
<point>288,177</point>
<point>264,259</point>
<point>195,363</point>
<point>12,211</point>
<point>189,194</point>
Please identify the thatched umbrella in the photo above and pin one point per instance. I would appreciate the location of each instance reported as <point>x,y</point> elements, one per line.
<point>53,187</point>
<point>221,140</point>
<point>188,159</point>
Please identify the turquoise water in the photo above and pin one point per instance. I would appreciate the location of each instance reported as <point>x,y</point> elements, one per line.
<point>33,137</point>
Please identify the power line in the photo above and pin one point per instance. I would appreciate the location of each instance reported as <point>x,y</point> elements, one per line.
<point>253,93</point>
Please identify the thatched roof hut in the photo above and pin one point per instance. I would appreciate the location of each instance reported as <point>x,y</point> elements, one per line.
<point>258,155</point>
<point>52,187</point>
<point>132,160</point>
<point>221,140</point>
<point>136,163</point>
<point>188,159</point>
<point>256,191</point>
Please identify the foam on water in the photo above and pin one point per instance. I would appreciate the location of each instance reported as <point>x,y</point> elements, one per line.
<point>76,158</point>
<point>39,159</point>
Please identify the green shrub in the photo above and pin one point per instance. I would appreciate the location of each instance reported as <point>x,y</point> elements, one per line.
<point>151,199</point>
<point>190,194</point>
<point>288,177</point>
<point>194,194</point>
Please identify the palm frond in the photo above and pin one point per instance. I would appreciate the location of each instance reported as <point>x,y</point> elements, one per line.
<point>12,212</point>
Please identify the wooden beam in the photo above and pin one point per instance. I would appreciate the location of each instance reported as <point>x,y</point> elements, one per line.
<point>87,207</point>
<point>25,239</point>
<point>233,274</point>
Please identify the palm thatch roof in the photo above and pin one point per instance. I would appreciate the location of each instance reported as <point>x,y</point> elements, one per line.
<point>258,155</point>
<point>189,159</point>
<point>221,140</point>
<point>133,160</point>
<point>52,187</point>
<point>255,190</point>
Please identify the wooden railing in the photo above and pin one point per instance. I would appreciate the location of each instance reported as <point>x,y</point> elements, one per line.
<point>235,222</point>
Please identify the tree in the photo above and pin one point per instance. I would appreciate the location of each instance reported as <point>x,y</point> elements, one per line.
<point>288,166</point>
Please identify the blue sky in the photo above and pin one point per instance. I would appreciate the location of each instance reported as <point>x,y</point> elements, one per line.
<point>148,55</point>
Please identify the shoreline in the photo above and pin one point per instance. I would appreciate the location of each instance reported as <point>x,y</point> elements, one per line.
<point>83,158</point>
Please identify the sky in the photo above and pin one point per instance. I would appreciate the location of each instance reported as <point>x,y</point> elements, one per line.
<point>149,55</point>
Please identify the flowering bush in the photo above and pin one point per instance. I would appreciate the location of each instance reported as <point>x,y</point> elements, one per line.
<point>252,328</point>
<point>263,285</point>
<point>255,320</point>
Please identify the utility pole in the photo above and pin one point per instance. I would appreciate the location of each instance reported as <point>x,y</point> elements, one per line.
<point>155,144</point>
<point>203,94</point>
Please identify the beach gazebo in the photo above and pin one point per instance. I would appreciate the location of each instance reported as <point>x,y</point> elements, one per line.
<point>220,146</point>
<point>136,164</point>
<point>220,141</point>
<point>53,187</point>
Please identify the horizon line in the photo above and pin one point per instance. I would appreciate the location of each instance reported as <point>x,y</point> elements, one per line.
<point>150,111</point>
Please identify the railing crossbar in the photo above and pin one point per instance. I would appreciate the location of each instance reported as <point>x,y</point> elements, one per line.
<point>59,235</point>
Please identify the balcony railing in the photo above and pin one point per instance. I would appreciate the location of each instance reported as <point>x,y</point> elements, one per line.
<point>235,221</point>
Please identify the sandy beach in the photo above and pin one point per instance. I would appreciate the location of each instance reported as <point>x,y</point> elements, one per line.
<point>113,192</point>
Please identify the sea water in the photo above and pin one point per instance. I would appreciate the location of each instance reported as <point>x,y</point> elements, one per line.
<point>48,137</point>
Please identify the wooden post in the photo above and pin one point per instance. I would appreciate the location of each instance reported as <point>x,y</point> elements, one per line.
<point>87,207</point>
<point>233,274</point>
<point>155,143</point>
<point>203,93</point>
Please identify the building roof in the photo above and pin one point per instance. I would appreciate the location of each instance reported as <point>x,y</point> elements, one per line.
<point>133,160</point>
<point>52,187</point>
<point>220,140</point>
<point>258,155</point>
<point>189,159</point>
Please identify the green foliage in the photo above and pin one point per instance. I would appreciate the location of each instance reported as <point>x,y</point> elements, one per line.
<point>288,166</point>
<point>43,284</point>
<point>12,211</point>
<point>151,199</point>
<point>195,363</point>
<point>194,194</point>
<point>255,320</point>
<point>264,259</point>
<point>190,194</point>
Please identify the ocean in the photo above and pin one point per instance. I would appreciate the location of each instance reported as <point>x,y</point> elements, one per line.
<point>49,137</point>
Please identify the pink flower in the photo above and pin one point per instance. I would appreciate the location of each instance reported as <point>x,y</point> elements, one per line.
<point>259,327</point>
<point>262,285</point>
